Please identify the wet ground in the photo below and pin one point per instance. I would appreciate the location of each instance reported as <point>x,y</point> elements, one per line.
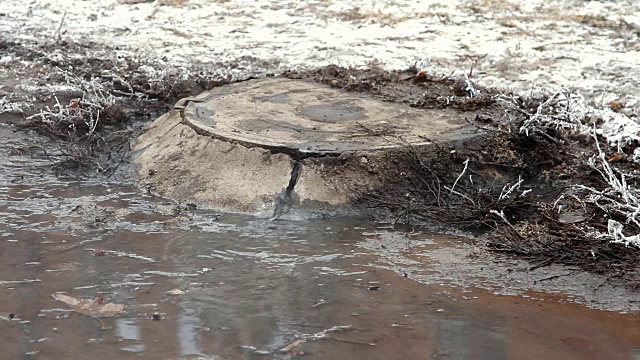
<point>200,284</point>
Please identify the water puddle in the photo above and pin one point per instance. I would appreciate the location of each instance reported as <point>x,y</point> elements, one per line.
<point>203,285</point>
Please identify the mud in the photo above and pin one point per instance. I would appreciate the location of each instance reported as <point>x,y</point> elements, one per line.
<point>199,284</point>
<point>456,261</point>
<point>506,158</point>
<point>545,164</point>
<point>44,76</point>
<point>203,284</point>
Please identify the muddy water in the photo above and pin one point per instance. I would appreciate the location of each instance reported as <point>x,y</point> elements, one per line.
<point>203,285</point>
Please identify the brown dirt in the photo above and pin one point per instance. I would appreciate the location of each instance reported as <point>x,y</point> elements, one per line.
<point>411,87</point>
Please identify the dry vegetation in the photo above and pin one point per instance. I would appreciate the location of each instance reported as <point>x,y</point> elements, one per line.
<point>547,184</point>
<point>95,99</point>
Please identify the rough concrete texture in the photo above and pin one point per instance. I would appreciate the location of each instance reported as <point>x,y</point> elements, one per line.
<point>306,118</point>
<point>265,145</point>
<point>339,181</point>
<point>177,162</point>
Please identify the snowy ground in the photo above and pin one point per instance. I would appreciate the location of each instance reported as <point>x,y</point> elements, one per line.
<point>591,47</point>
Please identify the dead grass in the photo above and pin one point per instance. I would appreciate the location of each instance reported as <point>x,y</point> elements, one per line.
<point>519,186</point>
<point>358,15</point>
<point>111,96</point>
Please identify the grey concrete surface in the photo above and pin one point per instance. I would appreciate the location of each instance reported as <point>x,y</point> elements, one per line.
<point>269,144</point>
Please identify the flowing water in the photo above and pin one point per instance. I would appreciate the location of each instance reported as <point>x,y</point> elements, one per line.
<point>203,285</point>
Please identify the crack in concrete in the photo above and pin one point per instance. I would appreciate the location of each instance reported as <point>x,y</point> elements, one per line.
<point>284,202</point>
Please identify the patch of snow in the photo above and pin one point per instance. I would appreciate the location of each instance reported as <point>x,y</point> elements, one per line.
<point>584,46</point>
<point>618,129</point>
<point>7,106</point>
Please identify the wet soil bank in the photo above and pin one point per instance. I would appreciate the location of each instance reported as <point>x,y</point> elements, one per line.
<point>475,187</point>
<point>88,101</point>
<point>197,284</point>
<point>507,186</point>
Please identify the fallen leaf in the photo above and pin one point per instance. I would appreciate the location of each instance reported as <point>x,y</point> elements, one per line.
<point>74,103</point>
<point>90,307</point>
<point>615,158</point>
<point>615,106</point>
<point>420,78</point>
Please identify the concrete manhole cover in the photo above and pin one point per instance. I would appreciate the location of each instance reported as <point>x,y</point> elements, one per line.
<point>307,118</point>
<point>267,145</point>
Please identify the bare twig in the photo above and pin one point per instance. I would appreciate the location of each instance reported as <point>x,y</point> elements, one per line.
<point>58,33</point>
<point>466,164</point>
<point>317,336</point>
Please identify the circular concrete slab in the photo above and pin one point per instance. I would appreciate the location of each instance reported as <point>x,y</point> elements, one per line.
<point>269,145</point>
<point>305,118</point>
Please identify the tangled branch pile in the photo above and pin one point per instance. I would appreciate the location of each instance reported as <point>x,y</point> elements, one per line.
<point>558,197</point>
<point>593,223</point>
<point>78,127</point>
<point>99,96</point>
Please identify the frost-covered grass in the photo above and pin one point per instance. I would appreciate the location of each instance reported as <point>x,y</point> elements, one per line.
<point>7,106</point>
<point>80,114</point>
<point>618,197</point>
<point>585,46</point>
